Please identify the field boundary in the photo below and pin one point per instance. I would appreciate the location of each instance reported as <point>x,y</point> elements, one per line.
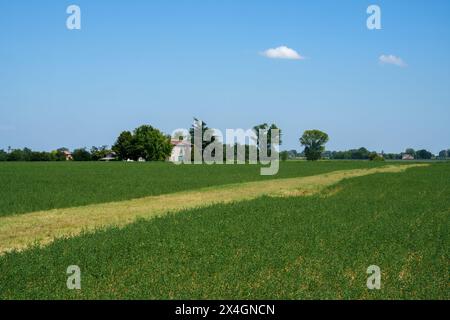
<point>42,227</point>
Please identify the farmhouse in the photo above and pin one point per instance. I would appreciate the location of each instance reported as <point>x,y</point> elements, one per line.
<point>109,157</point>
<point>181,151</point>
<point>407,156</point>
<point>68,155</point>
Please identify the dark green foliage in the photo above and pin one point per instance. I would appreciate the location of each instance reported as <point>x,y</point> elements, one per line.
<point>411,152</point>
<point>270,248</point>
<point>3,155</point>
<point>151,144</point>
<point>284,155</point>
<point>98,153</point>
<point>423,155</point>
<point>81,155</point>
<point>353,154</point>
<point>269,131</point>
<point>124,146</point>
<point>27,154</point>
<point>145,142</point>
<point>314,142</point>
<point>444,154</point>
<point>200,127</point>
<point>373,156</point>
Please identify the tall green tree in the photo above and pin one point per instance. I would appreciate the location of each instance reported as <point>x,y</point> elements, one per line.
<point>151,144</point>
<point>444,154</point>
<point>81,155</point>
<point>411,152</point>
<point>3,155</point>
<point>98,153</point>
<point>124,146</point>
<point>314,142</point>
<point>200,126</point>
<point>424,155</point>
<point>144,142</point>
<point>269,132</point>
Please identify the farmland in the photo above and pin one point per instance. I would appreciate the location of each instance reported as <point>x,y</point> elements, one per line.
<point>294,246</point>
<point>31,187</point>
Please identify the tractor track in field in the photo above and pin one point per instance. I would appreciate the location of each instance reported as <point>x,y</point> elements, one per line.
<point>22,231</point>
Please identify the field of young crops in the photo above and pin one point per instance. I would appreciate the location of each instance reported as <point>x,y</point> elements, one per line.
<point>293,247</point>
<point>31,187</point>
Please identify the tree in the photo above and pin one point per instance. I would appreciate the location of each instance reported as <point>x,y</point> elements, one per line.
<point>314,142</point>
<point>59,154</point>
<point>360,154</point>
<point>151,144</point>
<point>41,156</point>
<point>423,154</point>
<point>144,142</point>
<point>3,155</point>
<point>100,152</point>
<point>81,155</point>
<point>124,146</point>
<point>15,155</point>
<point>373,156</point>
<point>284,155</point>
<point>293,154</point>
<point>269,131</point>
<point>411,152</point>
<point>200,126</point>
<point>444,154</point>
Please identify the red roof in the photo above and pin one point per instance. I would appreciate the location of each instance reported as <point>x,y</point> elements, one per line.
<point>180,142</point>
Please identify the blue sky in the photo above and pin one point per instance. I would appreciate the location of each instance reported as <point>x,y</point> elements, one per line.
<point>163,62</point>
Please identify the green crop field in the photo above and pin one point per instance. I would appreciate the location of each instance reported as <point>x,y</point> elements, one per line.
<point>39,186</point>
<point>313,245</point>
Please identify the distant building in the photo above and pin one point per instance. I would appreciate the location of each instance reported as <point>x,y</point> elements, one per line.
<point>181,151</point>
<point>141,159</point>
<point>68,155</point>
<point>109,157</point>
<point>407,156</point>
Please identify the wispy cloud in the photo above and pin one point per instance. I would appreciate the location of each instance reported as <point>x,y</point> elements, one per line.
<point>391,59</point>
<point>282,52</point>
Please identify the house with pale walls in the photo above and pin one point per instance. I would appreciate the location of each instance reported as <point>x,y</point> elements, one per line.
<point>181,151</point>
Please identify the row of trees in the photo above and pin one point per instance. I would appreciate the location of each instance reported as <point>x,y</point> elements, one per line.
<point>27,154</point>
<point>82,154</point>
<point>444,154</point>
<point>151,144</point>
<point>365,154</point>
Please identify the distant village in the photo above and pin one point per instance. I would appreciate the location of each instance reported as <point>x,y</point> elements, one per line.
<point>180,150</point>
<point>147,143</point>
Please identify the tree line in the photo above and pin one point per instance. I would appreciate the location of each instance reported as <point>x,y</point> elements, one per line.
<point>81,154</point>
<point>151,144</point>
<point>365,154</point>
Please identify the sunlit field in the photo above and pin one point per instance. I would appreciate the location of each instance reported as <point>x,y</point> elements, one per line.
<point>288,245</point>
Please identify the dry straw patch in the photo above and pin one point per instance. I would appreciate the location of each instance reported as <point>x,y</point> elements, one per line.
<point>21,231</point>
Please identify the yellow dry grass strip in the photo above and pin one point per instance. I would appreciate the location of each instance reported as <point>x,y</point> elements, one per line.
<point>21,231</point>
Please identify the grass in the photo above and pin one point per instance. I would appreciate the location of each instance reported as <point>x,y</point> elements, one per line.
<point>29,187</point>
<point>267,248</point>
<point>21,231</point>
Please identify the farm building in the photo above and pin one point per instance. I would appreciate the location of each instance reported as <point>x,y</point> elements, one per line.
<point>68,155</point>
<point>407,157</point>
<point>109,157</point>
<point>181,151</point>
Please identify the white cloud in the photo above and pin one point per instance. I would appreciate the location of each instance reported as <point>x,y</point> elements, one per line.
<point>391,59</point>
<point>282,52</point>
